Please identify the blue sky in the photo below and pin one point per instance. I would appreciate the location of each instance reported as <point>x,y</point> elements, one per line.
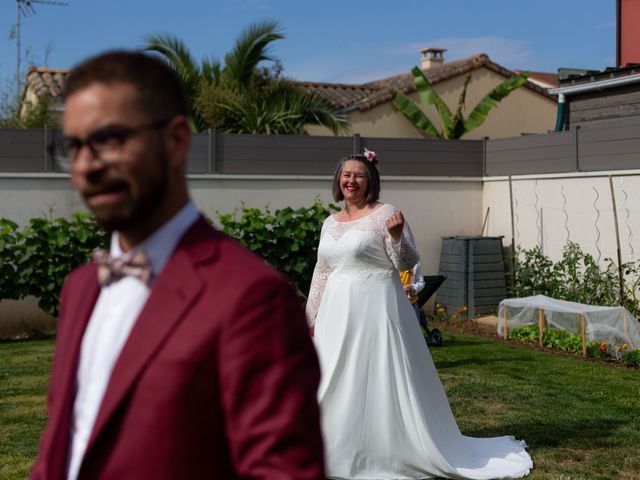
<point>347,41</point>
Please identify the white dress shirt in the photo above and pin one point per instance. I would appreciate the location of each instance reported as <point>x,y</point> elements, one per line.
<point>113,317</point>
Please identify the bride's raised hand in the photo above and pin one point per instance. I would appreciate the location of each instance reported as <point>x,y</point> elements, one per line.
<point>395,225</point>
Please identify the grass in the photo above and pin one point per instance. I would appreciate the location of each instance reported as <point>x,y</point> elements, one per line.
<point>579,418</point>
<point>24,371</point>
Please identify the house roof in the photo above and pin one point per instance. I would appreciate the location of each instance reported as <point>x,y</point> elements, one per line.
<point>368,95</point>
<point>346,97</point>
<point>544,79</point>
<point>43,80</point>
<point>607,74</point>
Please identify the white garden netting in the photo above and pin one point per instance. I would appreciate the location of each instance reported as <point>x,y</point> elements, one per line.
<point>613,325</point>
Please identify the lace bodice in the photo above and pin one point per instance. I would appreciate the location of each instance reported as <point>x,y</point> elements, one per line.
<point>361,248</point>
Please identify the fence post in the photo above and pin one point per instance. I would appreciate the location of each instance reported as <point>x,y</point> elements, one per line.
<point>356,143</point>
<point>212,160</point>
<point>618,250</point>
<point>576,152</point>
<point>46,143</point>
<point>484,156</point>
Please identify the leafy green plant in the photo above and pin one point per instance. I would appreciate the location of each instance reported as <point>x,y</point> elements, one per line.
<point>40,256</point>
<point>36,115</point>
<point>240,94</point>
<point>526,334</point>
<point>287,238</point>
<point>453,125</point>
<point>576,277</point>
<point>551,338</point>
<point>9,235</point>
<point>631,358</point>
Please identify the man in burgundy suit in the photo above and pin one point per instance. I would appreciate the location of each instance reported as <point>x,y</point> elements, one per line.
<point>190,359</point>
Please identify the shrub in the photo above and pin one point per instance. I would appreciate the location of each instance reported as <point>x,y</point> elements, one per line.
<point>287,238</point>
<point>43,254</point>
<point>37,259</point>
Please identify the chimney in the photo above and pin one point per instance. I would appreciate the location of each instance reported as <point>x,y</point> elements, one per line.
<point>432,57</point>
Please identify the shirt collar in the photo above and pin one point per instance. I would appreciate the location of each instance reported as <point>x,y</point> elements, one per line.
<point>160,244</point>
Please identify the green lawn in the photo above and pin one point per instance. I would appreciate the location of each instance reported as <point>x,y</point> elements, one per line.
<point>24,370</point>
<point>580,419</point>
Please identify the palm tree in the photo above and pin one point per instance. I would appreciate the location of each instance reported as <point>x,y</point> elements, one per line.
<point>240,96</point>
<point>454,126</point>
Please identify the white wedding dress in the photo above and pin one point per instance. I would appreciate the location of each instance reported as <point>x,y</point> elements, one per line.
<point>384,411</point>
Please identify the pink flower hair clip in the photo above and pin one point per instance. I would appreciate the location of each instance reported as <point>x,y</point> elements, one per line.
<point>371,156</point>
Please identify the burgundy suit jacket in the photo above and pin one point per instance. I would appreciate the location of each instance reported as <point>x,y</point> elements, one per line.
<point>217,379</point>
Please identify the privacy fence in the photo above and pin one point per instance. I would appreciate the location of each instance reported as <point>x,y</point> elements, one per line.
<point>612,148</point>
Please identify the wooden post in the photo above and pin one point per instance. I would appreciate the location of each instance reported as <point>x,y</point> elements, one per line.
<point>513,231</point>
<point>615,219</point>
<point>541,326</point>
<point>624,325</point>
<point>506,329</point>
<point>484,224</point>
<point>584,335</point>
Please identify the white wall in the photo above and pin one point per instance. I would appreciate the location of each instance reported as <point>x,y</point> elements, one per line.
<point>434,207</point>
<point>575,207</point>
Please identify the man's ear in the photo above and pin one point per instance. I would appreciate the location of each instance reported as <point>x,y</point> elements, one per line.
<point>178,140</point>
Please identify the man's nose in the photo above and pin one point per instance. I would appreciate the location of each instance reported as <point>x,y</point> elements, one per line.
<point>86,160</point>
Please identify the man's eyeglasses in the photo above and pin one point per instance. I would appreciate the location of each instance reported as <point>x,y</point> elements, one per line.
<point>105,144</point>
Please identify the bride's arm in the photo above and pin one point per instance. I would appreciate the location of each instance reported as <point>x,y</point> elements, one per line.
<point>320,274</point>
<point>402,252</point>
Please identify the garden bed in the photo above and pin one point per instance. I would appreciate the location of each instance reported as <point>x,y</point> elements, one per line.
<point>464,325</point>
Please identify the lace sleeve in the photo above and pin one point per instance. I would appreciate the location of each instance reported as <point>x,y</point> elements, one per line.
<point>404,254</point>
<point>320,274</point>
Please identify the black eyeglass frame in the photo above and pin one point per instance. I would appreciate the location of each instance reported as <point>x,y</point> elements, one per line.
<point>59,152</point>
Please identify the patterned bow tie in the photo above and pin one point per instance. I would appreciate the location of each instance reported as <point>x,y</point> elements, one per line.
<point>133,264</point>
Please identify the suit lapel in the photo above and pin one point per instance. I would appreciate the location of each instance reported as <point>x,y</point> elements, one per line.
<point>174,291</point>
<point>75,318</point>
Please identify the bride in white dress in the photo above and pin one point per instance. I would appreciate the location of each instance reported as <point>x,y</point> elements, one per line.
<point>384,411</point>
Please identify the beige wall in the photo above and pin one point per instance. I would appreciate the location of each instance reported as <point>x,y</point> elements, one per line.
<point>523,111</point>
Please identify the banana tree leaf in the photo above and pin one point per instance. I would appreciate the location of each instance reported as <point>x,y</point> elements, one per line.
<point>416,116</point>
<point>456,128</point>
<point>428,95</point>
<point>480,112</point>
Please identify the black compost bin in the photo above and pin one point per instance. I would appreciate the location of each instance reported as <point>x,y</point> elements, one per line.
<point>474,267</point>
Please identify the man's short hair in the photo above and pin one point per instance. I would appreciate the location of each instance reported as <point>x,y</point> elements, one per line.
<point>373,177</point>
<point>159,89</point>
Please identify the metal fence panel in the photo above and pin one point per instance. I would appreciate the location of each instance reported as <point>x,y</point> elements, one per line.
<point>531,154</point>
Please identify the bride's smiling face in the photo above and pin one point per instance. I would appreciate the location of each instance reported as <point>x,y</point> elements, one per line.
<point>354,181</point>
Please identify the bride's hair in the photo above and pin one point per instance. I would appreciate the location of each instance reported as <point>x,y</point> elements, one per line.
<point>373,178</point>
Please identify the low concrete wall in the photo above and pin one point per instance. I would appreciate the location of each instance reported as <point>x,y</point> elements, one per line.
<point>24,319</point>
<point>434,206</point>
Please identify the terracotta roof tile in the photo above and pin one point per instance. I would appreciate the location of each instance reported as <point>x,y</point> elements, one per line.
<point>368,95</point>
<point>547,78</point>
<point>46,80</point>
